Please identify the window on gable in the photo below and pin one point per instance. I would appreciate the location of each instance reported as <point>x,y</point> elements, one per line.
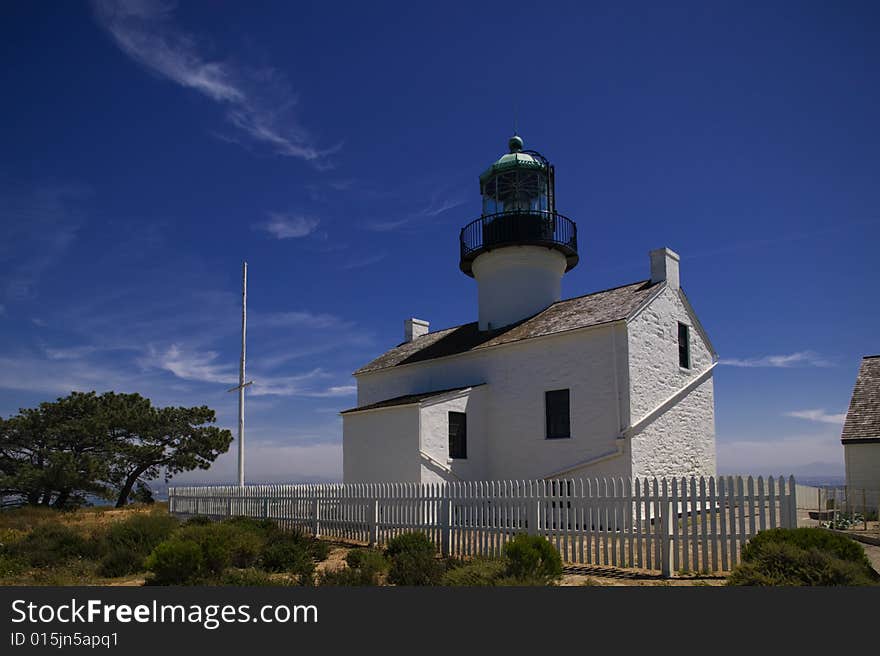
<point>457,435</point>
<point>684,346</point>
<point>556,407</point>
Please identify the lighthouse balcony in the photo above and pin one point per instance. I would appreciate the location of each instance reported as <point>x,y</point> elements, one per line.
<point>518,228</point>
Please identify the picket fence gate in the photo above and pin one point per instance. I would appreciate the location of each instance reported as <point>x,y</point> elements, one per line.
<point>668,525</point>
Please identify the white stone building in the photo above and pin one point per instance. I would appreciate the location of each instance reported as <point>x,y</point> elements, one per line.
<point>617,382</point>
<point>861,432</point>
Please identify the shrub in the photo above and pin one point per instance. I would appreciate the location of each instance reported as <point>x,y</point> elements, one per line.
<point>839,546</point>
<point>52,544</point>
<point>26,518</point>
<point>11,565</point>
<point>365,567</point>
<point>140,533</point>
<point>249,577</point>
<point>802,557</point>
<point>531,560</point>
<point>413,560</point>
<point>479,572</point>
<point>223,545</point>
<point>368,560</point>
<point>120,561</point>
<point>176,562</point>
<point>289,556</point>
<point>198,520</point>
<point>316,549</point>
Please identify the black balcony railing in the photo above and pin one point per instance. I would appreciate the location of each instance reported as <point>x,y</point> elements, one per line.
<point>519,227</point>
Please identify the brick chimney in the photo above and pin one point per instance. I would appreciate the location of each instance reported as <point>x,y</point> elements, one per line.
<point>413,328</point>
<point>664,266</point>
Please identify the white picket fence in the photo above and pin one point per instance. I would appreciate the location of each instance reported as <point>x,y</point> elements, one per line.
<point>669,525</point>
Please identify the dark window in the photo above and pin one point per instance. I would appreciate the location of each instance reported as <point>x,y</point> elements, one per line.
<point>556,408</point>
<point>684,346</point>
<point>457,435</point>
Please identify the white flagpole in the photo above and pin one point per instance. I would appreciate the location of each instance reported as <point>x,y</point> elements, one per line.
<point>241,375</point>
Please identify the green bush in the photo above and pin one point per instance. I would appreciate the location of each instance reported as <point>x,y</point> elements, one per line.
<point>413,560</point>
<point>479,572</point>
<point>176,562</point>
<point>802,557</point>
<point>120,561</point>
<point>198,520</point>
<point>531,560</point>
<point>249,577</point>
<point>369,560</point>
<point>140,533</point>
<point>365,567</point>
<point>225,545</point>
<point>11,565</point>
<point>839,546</point>
<point>344,576</point>
<point>291,557</point>
<point>52,544</point>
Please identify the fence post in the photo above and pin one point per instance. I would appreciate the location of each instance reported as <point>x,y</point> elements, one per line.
<point>266,507</point>
<point>445,523</point>
<point>374,524</point>
<point>316,515</point>
<point>229,507</point>
<point>666,518</point>
<point>534,515</point>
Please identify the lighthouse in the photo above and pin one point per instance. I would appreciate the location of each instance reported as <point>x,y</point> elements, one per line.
<point>520,246</point>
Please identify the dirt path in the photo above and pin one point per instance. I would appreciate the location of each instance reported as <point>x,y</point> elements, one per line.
<point>873,554</point>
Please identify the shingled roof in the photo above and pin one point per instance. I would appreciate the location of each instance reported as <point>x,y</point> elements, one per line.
<point>863,417</point>
<point>407,399</point>
<point>581,312</point>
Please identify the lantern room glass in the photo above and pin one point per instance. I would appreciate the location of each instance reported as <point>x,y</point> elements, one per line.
<point>515,191</point>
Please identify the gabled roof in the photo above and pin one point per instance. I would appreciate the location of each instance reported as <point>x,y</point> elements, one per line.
<point>408,399</point>
<point>863,417</point>
<point>581,312</point>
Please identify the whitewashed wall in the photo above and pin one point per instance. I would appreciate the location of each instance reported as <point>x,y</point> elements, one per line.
<point>591,363</point>
<point>862,465</point>
<point>516,282</point>
<point>434,431</point>
<point>617,374</point>
<point>381,445</point>
<point>681,441</point>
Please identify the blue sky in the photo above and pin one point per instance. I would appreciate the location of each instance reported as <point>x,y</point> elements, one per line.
<point>147,148</point>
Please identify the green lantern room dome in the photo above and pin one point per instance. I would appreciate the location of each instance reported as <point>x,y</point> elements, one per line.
<point>515,159</point>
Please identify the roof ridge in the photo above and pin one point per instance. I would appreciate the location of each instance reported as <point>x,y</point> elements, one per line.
<point>561,300</point>
<point>601,291</point>
<point>870,357</point>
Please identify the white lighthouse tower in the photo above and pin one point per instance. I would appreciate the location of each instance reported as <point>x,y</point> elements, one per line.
<point>520,247</point>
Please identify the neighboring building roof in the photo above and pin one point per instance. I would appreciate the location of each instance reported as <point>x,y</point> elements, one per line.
<point>408,399</point>
<point>581,312</point>
<point>863,417</point>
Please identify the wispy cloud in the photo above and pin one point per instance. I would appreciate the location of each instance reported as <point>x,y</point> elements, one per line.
<point>784,361</point>
<point>288,226</point>
<point>193,365</point>
<point>257,102</point>
<point>818,415</point>
<point>302,318</point>
<point>439,204</point>
<point>366,261</point>
<point>204,367</point>
<point>36,229</point>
